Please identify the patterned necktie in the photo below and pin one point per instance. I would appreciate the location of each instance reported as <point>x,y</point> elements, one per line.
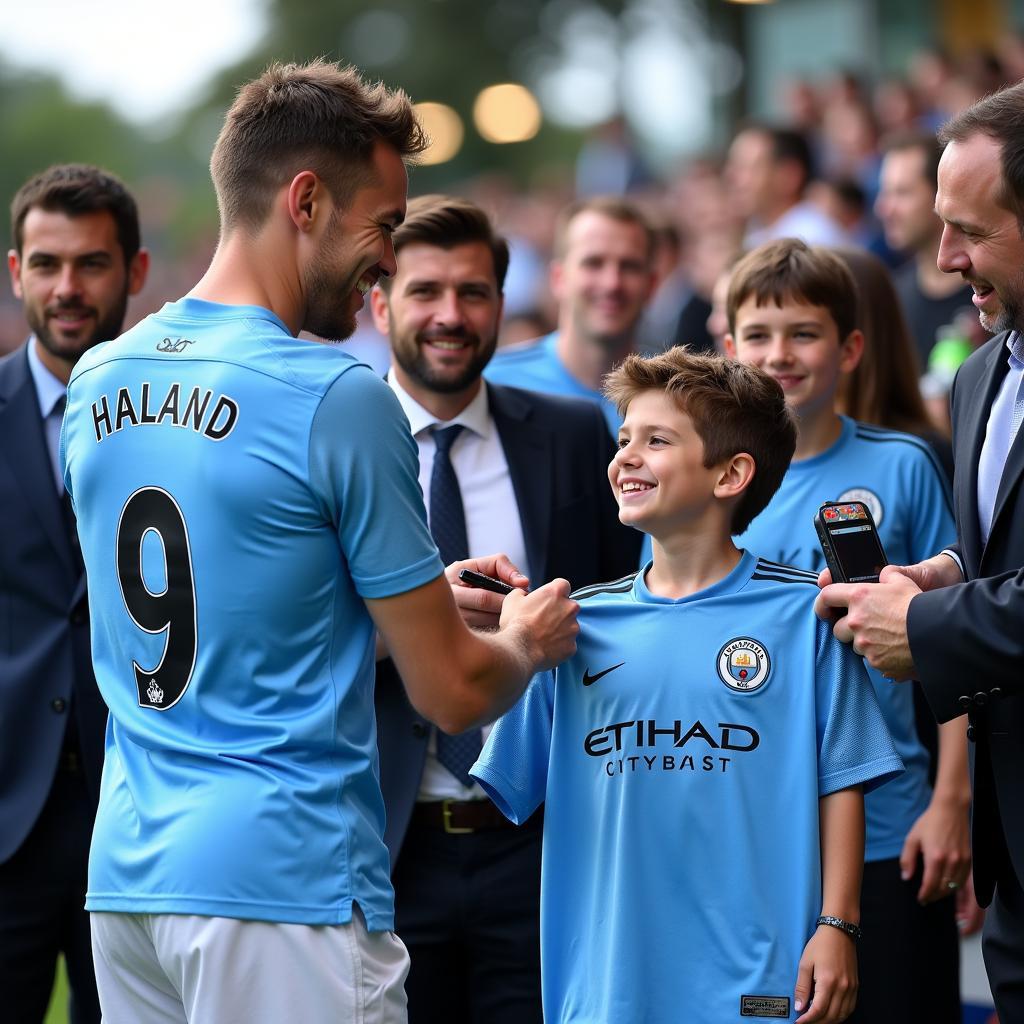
<point>448,525</point>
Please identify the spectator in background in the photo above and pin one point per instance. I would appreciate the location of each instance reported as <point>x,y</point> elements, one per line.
<point>676,314</point>
<point>75,261</point>
<point>906,208</point>
<point>602,277</point>
<point>769,171</point>
<point>883,388</point>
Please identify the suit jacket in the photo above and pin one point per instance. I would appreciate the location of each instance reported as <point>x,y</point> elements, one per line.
<point>45,664</point>
<point>558,450</point>
<point>968,640</point>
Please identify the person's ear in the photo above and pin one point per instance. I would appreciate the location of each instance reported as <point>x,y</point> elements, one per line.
<point>729,344</point>
<point>138,271</point>
<point>851,350</point>
<point>736,475</point>
<point>556,279</point>
<point>14,267</point>
<point>307,200</point>
<point>380,310</point>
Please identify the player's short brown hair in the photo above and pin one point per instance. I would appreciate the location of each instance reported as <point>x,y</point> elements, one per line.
<point>447,221</point>
<point>734,408</point>
<point>318,116</point>
<point>791,270</point>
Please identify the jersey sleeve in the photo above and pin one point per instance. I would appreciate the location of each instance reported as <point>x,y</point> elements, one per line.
<point>931,506</point>
<point>364,469</point>
<point>513,766</point>
<point>854,746</point>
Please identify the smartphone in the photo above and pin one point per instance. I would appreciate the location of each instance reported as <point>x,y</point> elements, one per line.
<point>479,580</point>
<point>849,539</point>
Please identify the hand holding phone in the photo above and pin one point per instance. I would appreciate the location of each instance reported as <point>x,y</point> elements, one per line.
<point>850,542</point>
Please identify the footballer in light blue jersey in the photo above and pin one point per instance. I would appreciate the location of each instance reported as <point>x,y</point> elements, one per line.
<point>898,477</point>
<point>681,754</point>
<point>247,491</point>
<point>536,366</point>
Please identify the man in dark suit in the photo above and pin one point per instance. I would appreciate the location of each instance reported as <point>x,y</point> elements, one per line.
<point>956,621</point>
<point>75,261</point>
<point>527,474</point>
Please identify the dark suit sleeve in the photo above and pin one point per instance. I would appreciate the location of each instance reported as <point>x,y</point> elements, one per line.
<point>969,639</point>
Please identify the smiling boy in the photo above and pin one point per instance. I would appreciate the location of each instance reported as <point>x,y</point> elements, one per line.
<point>701,757</point>
<point>792,313</point>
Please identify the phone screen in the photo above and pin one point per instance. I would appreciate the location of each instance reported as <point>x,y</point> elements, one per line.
<point>858,551</point>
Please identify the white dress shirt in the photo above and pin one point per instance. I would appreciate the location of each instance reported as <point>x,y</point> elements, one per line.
<point>492,523</point>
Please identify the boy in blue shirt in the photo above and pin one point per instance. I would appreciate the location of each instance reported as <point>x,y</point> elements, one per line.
<point>792,312</point>
<point>702,756</point>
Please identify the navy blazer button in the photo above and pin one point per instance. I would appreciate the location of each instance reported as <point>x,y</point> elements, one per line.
<point>58,704</point>
<point>981,699</point>
<point>964,701</point>
<point>970,733</point>
<point>995,692</point>
<point>419,730</point>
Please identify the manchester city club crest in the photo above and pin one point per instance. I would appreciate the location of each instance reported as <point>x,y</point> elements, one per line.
<point>744,665</point>
<point>872,500</point>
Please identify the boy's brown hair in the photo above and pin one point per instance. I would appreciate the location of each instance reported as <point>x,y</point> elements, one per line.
<point>317,116</point>
<point>791,270</point>
<point>734,407</point>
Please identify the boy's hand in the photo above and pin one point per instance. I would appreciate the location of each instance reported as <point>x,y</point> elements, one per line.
<point>827,976</point>
<point>480,608</point>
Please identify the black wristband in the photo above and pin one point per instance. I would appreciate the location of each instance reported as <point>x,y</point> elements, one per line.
<point>844,926</point>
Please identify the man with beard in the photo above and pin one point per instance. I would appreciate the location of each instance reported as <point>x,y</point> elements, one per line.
<point>530,473</point>
<point>602,277</point>
<point>75,261</point>
<point>250,515</point>
<point>955,621</point>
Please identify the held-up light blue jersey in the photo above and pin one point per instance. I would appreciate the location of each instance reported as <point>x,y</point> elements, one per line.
<point>239,493</point>
<point>537,367</point>
<point>898,477</point>
<point>681,753</point>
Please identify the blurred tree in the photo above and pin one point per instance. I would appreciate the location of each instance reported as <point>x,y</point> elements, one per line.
<point>440,50</point>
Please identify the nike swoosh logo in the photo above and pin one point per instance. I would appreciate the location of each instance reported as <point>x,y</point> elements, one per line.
<point>588,678</point>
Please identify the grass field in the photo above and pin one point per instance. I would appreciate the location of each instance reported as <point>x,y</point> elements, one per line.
<point>58,1011</point>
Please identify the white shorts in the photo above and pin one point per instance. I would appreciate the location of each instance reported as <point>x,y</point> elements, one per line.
<point>164,968</point>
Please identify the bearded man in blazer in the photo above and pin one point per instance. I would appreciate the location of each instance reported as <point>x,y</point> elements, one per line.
<point>956,621</point>
<point>532,478</point>
<point>75,261</point>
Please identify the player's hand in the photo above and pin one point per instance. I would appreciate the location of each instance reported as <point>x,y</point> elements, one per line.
<point>941,838</point>
<point>969,916</point>
<point>875,619</point>
<point>480,608</point>
<point>827,977</point>
<point>546,620</point>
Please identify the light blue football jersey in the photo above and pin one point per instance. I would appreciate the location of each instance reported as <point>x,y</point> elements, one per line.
<point>239,493</point>
<point>536,366</point>
<point>898,477</point>
<point>680,754</point>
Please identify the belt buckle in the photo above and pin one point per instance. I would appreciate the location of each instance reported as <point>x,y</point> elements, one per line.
<point>446,817</point>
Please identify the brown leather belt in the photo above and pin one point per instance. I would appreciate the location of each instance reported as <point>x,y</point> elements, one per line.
<point>460,817</point>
